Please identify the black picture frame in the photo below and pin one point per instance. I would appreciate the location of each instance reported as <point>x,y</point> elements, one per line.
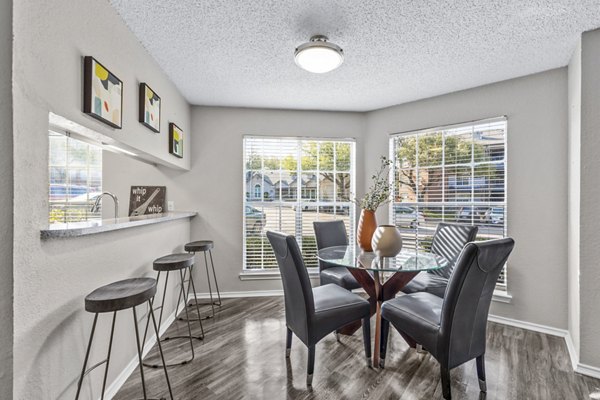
<point>175,148</point>
<point>111,79</point>
<point>142,107</point>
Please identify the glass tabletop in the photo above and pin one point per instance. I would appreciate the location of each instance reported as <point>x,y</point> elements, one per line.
<point>406,261</point>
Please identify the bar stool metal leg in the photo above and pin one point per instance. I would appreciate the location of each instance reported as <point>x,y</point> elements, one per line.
<point>87,356</point>
<point>162,357</point>
<point>192,286</point>
<point>199,319</point>
<point>110,342</point>
<point>196,303</point>
<point>139,349</point>
<point>161,307</point>
<point>212,303</point>
<point>182,293</point>
<point>212,264</point>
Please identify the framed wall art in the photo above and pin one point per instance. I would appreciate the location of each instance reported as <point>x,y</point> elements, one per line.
<point>102,93</point>
<point>149,108</point>
<point>175,140</point>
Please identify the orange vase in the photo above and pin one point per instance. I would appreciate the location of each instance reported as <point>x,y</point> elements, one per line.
<point>367,224</point>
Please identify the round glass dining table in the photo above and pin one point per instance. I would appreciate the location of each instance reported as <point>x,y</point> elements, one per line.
<point>381,277</point>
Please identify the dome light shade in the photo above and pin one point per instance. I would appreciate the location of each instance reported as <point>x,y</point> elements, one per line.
<point>318,55</point>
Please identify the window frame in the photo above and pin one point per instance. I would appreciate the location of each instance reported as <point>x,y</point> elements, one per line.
<point>58,132</point>
<point>274,273</point>
<point>501,288</point>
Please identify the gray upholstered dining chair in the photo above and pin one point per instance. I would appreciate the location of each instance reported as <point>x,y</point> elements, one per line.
<point>311,314</point>
<point>329,234</point>
<point>452,329</point>
<point>448,241</point>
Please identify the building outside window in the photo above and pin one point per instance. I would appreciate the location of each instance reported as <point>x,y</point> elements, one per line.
<point>450,174</point>
<point>288,184</point>
<point>75,171</point>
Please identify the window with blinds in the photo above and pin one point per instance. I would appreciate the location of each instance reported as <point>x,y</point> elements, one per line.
<point>75,172</point>
<point>452,174</point>
<point>288,184</point>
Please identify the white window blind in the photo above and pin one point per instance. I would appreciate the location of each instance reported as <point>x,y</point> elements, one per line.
<point>288,184</point>
<point>75,179</point>
<point>452,174</point>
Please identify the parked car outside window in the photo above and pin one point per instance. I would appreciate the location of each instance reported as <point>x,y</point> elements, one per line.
<point>408,217</point>
<point>255,220</point>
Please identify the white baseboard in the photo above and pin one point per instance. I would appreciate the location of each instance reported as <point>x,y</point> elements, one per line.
<point>530,326</point>
<point>588,370</point>
<point>235,295</point>
<point>573,352</point>
<point>580,368</point>
<point>114,387</point>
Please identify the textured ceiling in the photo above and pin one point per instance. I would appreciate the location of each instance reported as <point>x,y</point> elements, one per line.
<point>240,53</point>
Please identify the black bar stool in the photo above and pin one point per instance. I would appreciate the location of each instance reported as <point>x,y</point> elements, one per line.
<point>114,297</point>
<point>181,262</point>
<point>205,246</point>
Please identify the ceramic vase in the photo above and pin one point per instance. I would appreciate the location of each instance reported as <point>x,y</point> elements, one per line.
<point>387,241</point>
<point>367,224</point>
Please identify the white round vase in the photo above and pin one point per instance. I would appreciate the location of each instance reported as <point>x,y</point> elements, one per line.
<point>387,241</point>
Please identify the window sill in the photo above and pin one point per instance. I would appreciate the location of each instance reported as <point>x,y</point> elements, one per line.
<point>502,296</point>
<point>268,275</point>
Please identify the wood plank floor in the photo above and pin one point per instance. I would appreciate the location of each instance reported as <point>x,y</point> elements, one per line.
<point>243,357</point>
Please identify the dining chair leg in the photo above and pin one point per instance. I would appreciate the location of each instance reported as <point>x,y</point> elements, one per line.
<point>288,343</point>
<point>445,372</point>
<point>481,373</point>
<point>311,365</point>
<point>366,328</point>
<point>385,331</point>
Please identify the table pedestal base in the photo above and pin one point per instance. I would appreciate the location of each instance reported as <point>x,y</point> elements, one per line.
<point>378,292</point>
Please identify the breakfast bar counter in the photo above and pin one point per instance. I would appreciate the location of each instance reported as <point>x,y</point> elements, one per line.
<point>76,229</point>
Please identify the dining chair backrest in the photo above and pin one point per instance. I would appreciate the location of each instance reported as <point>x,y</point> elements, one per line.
<point>468,296</point>
<point>297,290</point>
<point>448,241</point>
<point>329,234</point>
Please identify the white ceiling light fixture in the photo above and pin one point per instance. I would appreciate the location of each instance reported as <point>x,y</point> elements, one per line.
<point>319,55</point>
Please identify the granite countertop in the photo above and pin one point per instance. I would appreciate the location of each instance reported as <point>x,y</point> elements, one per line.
<point>76,229</point>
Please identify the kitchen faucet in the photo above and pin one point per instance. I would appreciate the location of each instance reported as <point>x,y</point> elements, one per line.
<point>96,205</point>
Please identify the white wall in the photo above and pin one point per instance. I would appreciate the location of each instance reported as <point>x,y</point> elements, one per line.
<point>590,199</point>
<point>52,277</point>
<point>52,37</point>
<point>6,199</point>
<point>215,184</point>
<point>574,171</point>
<point>536,107</point>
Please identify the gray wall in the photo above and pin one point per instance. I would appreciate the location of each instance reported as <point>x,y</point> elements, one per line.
<point>6,199</point>
<point>536,107</point>
<point>589,280</point>
<point>51,278</point>
<point>574,170</point>
<point>215,184</point>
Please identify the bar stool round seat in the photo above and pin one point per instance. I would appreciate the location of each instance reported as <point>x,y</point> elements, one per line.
<point>120,295</point>
<point>173,262</point>
<point>199,245</point>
